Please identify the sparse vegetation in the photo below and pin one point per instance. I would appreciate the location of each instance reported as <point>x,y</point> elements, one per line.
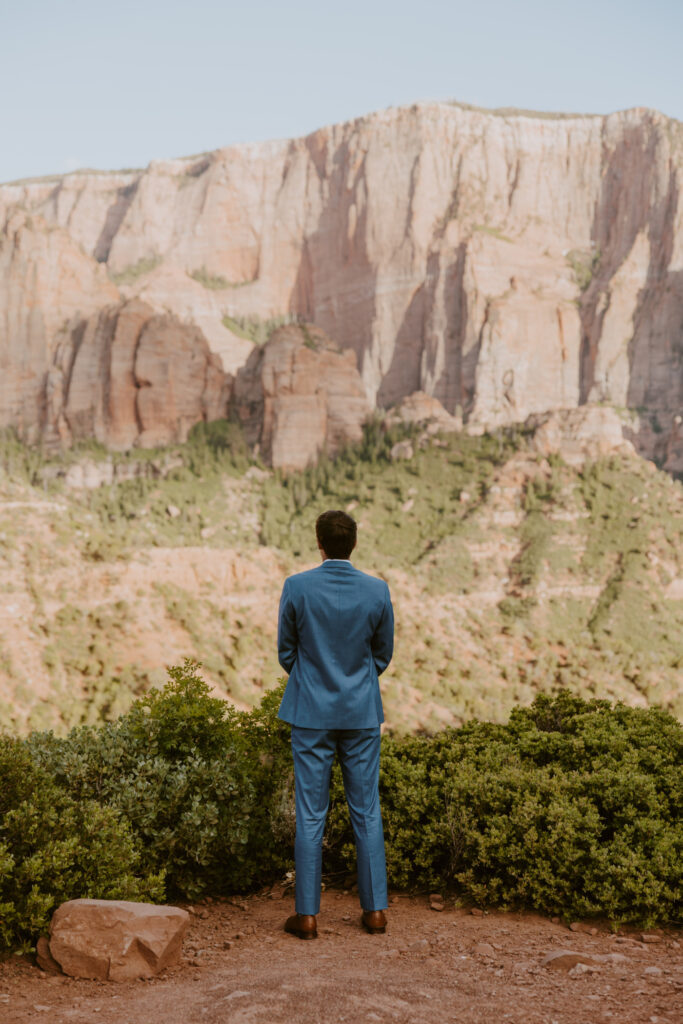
<point>567,589</point>
<point>255,330</point>
<point>131,273</point>
<point>583,264</point>
<point>495,232</point>
<point>214,282</point>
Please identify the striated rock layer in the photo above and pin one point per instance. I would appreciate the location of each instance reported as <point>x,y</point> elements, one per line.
<point>503,263</point>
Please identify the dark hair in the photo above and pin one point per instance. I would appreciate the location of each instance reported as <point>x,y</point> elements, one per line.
<point>336,533</point>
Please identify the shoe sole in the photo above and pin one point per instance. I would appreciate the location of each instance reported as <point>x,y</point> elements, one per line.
<point>302,935</point>
<point>374,931</point>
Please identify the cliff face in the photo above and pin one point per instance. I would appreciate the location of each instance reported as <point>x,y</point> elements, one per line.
<point>504,264</point>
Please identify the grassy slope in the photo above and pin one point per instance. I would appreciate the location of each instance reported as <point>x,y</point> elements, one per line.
<point>511,574</point>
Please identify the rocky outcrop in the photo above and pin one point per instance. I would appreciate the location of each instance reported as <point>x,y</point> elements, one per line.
<point>115,940</point>
<point>577,434</point>
<point>300,395</point>
<point>128,375</point>
<point>504,263</point>
<point>422,408</point>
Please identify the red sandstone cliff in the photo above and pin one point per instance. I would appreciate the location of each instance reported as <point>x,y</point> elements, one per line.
<point>504,263</point>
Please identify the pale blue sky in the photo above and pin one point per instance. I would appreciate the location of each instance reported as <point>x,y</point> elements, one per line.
<point>107,85</point>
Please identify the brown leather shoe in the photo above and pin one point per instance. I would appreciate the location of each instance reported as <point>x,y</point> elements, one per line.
<point>302,925</point>
<point>374,921</point>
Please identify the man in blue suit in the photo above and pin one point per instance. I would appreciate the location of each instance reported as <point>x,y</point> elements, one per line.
<point>335,637</point>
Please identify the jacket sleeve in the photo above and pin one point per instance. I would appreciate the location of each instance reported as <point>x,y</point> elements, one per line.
<point>382,642</point>
<point>286,631</point>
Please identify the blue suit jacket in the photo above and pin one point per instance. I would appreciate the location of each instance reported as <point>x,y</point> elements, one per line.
<point>335,636</point>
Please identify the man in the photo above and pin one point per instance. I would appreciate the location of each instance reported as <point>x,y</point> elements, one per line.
<point>335,637</point>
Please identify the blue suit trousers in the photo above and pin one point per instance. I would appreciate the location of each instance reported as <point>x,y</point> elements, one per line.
<point>314,752</point>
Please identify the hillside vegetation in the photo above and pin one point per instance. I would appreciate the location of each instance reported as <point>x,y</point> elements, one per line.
<point>512,574</point>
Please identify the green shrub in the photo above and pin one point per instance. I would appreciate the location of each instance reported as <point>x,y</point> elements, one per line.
<point>55,848</point>
<point>176,766</point>
<point>573,807</point>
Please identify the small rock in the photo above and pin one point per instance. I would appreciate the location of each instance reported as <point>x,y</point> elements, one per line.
<point>227,944</point>
<point>173,511</point>
<point>521,967</point>
<point>40,1008</point>
<point>435,897</point>
<point>203,914</point>
<point>394,899</point>
<point>401,450</point>
<point>580,969</point>
<point>390,954</point>
<point>484,949</point>
<point>437,906</point>
<point>652,970</point>
<point>650,937</point>
<point>566,959</point>
<point>576,926</point>
<point>346,917</point>
<point>44,958</point>
<point>615,958</point>
<point>476,912</point>
<point>420,944</point>
<point>675,945</point>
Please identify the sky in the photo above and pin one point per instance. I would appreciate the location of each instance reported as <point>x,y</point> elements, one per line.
<point>112,85</point>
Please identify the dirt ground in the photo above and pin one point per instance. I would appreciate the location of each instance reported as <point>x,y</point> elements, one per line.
<point>239,966</point>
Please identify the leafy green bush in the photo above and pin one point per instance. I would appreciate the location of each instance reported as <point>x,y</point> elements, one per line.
<point>175,767</point>
<point>54,847</point>
<point>573,807</point>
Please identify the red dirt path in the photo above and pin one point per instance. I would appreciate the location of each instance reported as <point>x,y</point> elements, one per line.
<point>423,971</point>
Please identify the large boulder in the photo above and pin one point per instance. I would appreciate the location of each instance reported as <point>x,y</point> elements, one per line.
<point>115,940</point>
<point>300,395</point>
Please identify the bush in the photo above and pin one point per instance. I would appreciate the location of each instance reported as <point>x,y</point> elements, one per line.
<point>176,768</point>
<point>573,807</point>
<point>55,848</point>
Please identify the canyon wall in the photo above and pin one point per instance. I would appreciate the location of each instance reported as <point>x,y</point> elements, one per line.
<point>503,263</point>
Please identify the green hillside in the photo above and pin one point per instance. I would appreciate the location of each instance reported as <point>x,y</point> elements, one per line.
<point>512,574</point>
